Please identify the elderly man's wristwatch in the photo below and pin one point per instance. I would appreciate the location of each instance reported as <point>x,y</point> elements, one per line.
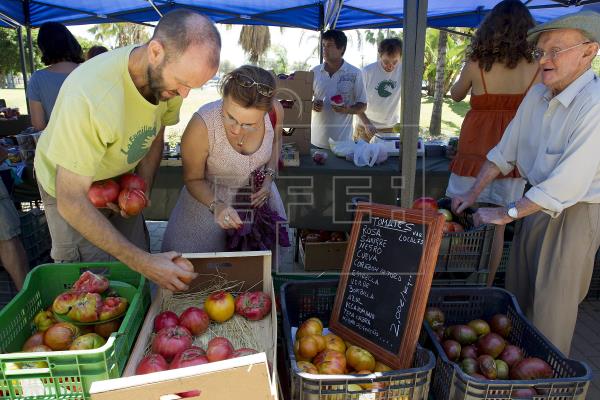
<point>512,210</point>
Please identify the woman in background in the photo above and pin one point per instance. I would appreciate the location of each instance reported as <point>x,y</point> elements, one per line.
<point>499,71</point>
<point>62,54</point>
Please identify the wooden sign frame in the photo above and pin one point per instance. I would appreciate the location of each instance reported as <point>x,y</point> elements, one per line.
<point>431,245</point>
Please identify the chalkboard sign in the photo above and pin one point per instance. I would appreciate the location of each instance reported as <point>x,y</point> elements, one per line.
<point>385,280</point>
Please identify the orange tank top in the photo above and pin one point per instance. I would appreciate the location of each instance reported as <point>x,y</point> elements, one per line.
<point>483,127</point>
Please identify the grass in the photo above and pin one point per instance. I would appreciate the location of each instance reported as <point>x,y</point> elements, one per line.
<point>452,112</point>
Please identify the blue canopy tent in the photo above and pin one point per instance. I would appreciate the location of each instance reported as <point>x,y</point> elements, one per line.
<point>306,14</point>
<point>412,15</point>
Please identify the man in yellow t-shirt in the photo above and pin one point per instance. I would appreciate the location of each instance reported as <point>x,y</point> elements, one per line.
<point>109,119</point>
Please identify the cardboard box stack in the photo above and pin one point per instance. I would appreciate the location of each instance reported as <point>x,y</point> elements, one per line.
<point>295,94</point>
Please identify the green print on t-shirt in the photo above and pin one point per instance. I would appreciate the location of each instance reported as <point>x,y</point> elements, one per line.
<point>382,88</point>
<point>139,144</point>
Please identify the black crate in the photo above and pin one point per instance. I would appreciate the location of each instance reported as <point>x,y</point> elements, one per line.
<point>461,305</point>
<point>478,278</point>
<point>35,234</point>
<point>466,252</point>
<point>301,300</point>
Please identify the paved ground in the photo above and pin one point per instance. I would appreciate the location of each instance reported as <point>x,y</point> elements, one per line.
<point>586,343</point>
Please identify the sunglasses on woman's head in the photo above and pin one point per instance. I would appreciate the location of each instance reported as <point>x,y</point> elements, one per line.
<point>247,82</point>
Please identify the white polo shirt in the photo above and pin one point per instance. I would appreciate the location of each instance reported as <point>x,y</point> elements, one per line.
<point>554,142</point>
<point>383,94</point>
<point>348,82</point>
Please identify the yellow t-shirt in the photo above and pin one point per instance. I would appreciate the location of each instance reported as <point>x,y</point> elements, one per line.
<point>101,126</point>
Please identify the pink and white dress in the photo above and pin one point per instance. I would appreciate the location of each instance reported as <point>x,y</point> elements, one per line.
<point>192,227</point>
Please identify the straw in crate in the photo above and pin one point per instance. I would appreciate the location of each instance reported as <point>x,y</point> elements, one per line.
<point>240,332</point>
<point>302,300</point>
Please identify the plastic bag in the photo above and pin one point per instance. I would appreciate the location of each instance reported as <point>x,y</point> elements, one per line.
<point>342,148</point>
<point>369,154</point>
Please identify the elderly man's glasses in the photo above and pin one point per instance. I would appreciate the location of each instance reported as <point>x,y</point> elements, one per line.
<point>247,82</point>
<point>538,53</point>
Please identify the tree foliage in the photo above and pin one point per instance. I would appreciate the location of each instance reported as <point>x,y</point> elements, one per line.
<point>10,62</point>
<point>86,44</point>
<point>225,67</point>
<point>376,36</point>
<point>455,56</point>
<point>277,60</point>
<point>255,41</point>
<point>9,48</point>
<point>120,34</point>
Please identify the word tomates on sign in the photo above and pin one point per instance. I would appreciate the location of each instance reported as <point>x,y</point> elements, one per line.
<point>389,258</point>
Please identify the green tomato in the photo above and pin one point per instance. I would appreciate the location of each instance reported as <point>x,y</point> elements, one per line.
<point>447,214</point>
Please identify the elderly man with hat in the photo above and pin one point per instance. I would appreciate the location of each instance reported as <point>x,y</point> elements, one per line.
<point>554,141</point>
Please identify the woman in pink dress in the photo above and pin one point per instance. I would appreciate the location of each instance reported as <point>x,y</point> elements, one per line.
<point>223,144</point>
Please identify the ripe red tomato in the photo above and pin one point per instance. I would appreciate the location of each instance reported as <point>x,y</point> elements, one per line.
<point>132,201</point>
<point>103,192</point>
<point>425,203</point>
<point>132,181</point>
<point>452,227</point>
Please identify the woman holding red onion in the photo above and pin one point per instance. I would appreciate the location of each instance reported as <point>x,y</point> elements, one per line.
<point>230,147</point>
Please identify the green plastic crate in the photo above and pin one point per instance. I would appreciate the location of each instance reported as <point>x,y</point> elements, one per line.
<point>69,374</point>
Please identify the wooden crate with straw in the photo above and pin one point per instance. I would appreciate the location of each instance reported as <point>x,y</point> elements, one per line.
<point>248,377</point>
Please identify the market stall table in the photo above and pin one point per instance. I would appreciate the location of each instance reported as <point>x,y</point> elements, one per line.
<point>14,126</point>
<point>319,196</point>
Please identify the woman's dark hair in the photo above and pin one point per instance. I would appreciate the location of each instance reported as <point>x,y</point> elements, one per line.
<point>58,44</point>
<point>390,46</point>
<point>235,83</point>
<point>502,36</point>
<point>94,51</point>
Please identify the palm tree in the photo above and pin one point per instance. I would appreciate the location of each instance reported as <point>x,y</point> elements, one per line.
<point>376,36</point>
<point>120,34</point>
<point>438,97</point>
<point>255,41</point>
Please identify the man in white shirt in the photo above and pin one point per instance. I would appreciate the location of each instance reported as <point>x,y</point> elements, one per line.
<point>553,140</point>
<point>382,83</point>
<point>332,78</point>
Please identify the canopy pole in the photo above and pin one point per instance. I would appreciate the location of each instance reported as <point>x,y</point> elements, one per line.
<point>321,46</point>
<point>30,47</point>
<point>155,8</point>
<point>22,58</point>
<point>415,24</point>
<point>321,28</point>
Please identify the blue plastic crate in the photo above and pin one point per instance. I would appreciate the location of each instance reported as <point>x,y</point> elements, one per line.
<point>461,305</point>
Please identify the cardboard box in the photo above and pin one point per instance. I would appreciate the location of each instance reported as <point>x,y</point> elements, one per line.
<point>300,87</point>
<point>300,138</point>
<point>247,377</point>
<point>322,256</point>
<point>299,115</point>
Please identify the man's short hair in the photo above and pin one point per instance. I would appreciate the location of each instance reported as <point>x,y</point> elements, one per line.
<point>338,37</point>
<point>390,46</point>
<point>177,30</point>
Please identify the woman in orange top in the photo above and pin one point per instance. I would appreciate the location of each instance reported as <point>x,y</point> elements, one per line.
<point>499,71</point>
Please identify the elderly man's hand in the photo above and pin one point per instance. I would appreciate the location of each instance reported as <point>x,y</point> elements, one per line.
<point>461,202</point>
<point>493,215</point>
